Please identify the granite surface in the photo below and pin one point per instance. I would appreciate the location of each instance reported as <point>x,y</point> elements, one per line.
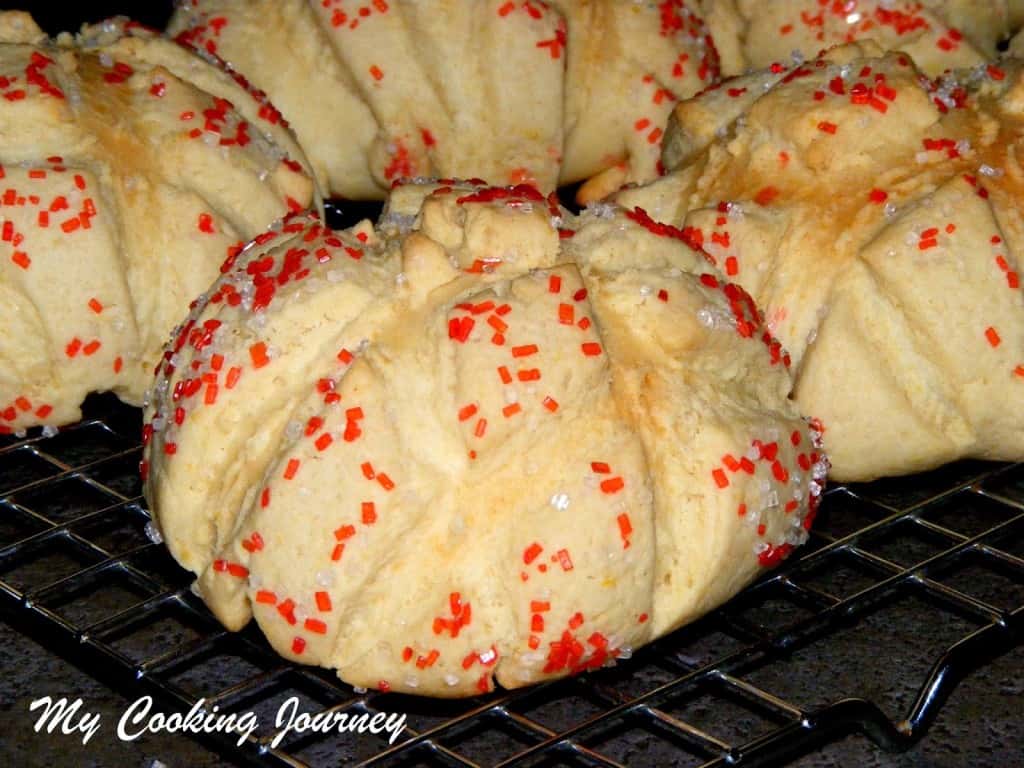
<point>981,726</point>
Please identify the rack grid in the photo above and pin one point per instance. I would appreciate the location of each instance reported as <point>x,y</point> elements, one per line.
<point>928,570</point>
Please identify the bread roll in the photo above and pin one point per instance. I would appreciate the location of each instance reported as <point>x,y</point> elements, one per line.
<point>875,215</point>
<point>485,441</point>
<point>512,91</point>
<point>129,169</point>
<point>939,34</point>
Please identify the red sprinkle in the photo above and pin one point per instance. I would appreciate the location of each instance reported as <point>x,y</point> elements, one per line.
<point>287,610</point>
<point>316,625</point>
<point>258,353</point>
<point>612,485</point>
<point>291,469</point>
<point>428,661</point>
<point>531,552</point>
<point>564,560</point>
<point>625,529</point>
<point>369,513</point>
<point>460,328</point>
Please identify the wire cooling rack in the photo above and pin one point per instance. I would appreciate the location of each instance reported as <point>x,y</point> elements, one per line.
<point>922,576</point>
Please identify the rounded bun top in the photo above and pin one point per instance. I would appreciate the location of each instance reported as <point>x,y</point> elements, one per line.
<point>485,440</point>
<point>872,211</point>
<point>130,169</point>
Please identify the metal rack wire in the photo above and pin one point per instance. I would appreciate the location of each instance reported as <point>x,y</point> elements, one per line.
<point>930,568</point>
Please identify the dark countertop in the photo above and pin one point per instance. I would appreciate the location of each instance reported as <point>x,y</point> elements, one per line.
<point>981,725</point>
<point>31,672</point>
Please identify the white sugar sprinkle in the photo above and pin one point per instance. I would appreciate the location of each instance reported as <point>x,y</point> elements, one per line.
<point>153,533</point>
<point>560,501</point>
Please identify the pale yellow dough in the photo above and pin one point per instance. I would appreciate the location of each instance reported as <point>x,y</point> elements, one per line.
<point>114,217</point>
<point>508,91</point>
<point>939,34</point>
<point>465,447</point>
<point>877,219</point>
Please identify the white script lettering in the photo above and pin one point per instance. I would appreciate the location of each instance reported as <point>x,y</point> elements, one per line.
<point>59,714</point>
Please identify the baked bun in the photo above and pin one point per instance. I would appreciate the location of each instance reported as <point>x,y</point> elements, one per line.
<point>938,34</point>
<point>510,91</point>
<point>875,215</point>
<point>130,168</point>
<point>472,445</point>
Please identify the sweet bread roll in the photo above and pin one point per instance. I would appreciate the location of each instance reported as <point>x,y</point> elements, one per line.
<point>512,91</point>
<point>483,442</point>
<point>875,216</point>
<point>938,34</point>
<point>129,169</point>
